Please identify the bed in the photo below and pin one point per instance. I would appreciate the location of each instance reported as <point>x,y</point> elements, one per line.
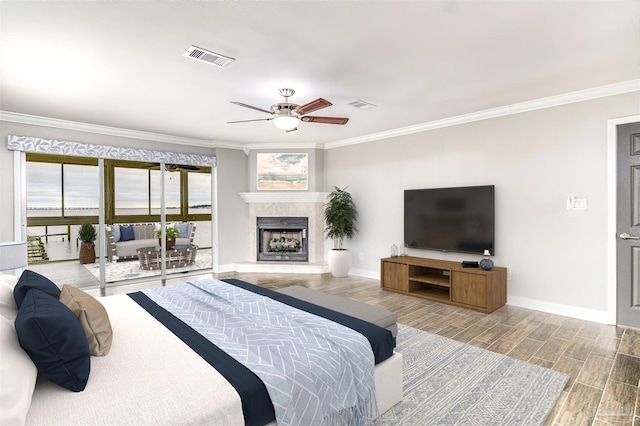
<point>158,370</point>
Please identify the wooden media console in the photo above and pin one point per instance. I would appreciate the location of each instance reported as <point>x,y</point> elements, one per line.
<point>445,281</point>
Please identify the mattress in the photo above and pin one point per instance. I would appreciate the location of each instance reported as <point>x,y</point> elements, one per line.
<point>148,377</point>
<point>152,377</point>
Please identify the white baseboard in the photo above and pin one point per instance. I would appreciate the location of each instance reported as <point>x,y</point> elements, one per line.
<point>365,273</point>
<point>220,269</point>
<point>281,267</point>
<point>593,315</point>
<point>560,309</point>
<point>602,317</point>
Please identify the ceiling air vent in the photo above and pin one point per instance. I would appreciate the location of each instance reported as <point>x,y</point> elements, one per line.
<point>209,57</point>
<point>361,104</point>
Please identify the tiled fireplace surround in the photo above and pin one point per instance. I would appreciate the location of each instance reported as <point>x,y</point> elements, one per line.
<point>287,204</point>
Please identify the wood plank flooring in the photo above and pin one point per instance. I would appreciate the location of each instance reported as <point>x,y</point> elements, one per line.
<point>602,361</point>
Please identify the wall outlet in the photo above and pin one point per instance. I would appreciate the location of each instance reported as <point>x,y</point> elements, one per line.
<point>361,256</point>
<point>508,275</point>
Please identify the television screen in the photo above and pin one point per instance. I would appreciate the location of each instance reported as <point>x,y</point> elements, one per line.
<point>450,219</point>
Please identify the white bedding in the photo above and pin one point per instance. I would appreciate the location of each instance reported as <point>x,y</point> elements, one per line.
<point>162,382</point>
<point>151,377</point>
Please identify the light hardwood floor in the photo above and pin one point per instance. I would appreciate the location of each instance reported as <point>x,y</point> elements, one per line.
<point>602,361</point>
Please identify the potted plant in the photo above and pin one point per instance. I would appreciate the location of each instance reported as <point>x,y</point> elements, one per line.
<point>340,215</point>
<point>87,234</point>
<point>172,234</point>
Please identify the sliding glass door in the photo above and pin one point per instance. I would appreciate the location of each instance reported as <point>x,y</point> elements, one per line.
<point>140,200</point>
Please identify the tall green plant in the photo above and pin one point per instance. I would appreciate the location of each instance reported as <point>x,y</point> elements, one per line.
<point>340,215</point>
<point>87,233</point>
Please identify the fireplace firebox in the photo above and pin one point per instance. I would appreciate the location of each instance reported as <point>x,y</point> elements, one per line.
<point>282,239</point>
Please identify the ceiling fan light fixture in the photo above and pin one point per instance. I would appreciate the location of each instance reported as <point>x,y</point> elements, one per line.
<point>286,122</point>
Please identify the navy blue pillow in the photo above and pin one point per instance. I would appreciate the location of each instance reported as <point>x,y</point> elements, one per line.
<point>126,233</point>
<point>54,339</point>
<point>29,280</point>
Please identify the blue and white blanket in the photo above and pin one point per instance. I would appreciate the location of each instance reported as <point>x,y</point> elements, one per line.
<point>316,371</point>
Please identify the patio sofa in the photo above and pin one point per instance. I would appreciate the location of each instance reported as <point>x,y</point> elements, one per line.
<point>122,247</point>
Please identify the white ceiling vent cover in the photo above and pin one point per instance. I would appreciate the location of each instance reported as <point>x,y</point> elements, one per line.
<point>361,104</point>
<point>209,57</point>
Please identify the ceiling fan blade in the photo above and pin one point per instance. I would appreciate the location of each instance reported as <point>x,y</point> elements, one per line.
<point>171,167</point>
<point>324,120</point>
<point>312,106</point>
<point>252,107</point>
<point>246,121</point>
<point>185,167</point>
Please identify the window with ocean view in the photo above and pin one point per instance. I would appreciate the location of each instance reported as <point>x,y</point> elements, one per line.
<point>81,190</point>
<point>199,193</point>
<point>44,189</point>
<point>64,192</point>
<point>137,192</point>
<point>172,192</point>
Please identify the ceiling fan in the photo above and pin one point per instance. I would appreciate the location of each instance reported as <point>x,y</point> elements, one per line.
<point>286,115</point>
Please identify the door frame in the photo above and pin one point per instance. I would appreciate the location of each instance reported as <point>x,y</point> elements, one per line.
<point>612,210</point>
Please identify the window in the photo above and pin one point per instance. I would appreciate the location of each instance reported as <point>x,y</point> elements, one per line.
<point>64,192</point>
<point>62,189</point>
<point>81,190</point>
<point>172,192</point>
<point>131,191</point>
<point>44,189</point>
<point>199,199</point>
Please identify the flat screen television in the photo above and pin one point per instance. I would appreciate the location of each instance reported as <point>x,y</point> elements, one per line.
<point>450,219</point>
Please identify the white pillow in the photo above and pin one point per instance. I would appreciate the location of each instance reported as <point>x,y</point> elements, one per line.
<point>17,375</point>
<point>8,308</point>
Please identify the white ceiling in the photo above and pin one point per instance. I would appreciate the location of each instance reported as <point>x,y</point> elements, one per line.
<point>121,64</point>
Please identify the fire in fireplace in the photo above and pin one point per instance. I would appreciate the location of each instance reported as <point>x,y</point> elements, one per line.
<point>282,239</point>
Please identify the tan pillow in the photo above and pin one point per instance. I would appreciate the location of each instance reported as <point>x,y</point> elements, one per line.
<point>93,318</point>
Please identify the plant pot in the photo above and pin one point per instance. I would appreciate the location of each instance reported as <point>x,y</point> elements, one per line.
<point>87,253</point>
<point>170,242</point>
<point>339,262</point>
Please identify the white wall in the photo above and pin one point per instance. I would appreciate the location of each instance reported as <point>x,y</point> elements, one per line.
<point>557,258</point>
<point>233,213</point>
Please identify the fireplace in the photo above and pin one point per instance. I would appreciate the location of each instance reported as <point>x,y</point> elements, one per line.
<point>282,239</point>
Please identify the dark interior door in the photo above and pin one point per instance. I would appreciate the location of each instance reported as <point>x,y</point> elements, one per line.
<point>628,225</point>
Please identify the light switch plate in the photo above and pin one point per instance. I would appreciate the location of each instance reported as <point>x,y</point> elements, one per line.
<point>575,203</point>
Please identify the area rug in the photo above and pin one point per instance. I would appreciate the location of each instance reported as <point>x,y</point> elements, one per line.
<point>129,269</point>
<point>447,382</point>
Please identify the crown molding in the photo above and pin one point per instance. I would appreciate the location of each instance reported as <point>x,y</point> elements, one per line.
<point>284,197</point>
<point>35,120</point>
<point>548,102</point>
<point>284,145</point>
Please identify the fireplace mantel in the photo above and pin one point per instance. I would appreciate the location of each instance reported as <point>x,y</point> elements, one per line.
<point>284,197</point>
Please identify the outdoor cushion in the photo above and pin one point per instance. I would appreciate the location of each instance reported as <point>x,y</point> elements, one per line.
<point>183,229</point>
<point>115,231</point>
<point>126,233</point>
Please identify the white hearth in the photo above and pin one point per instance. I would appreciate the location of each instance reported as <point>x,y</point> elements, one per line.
<point>287,204</point>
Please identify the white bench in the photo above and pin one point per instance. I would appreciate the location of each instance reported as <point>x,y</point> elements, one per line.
<point>373,314</point>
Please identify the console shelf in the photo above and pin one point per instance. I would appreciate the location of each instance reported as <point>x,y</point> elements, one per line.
<point>445,281</point>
